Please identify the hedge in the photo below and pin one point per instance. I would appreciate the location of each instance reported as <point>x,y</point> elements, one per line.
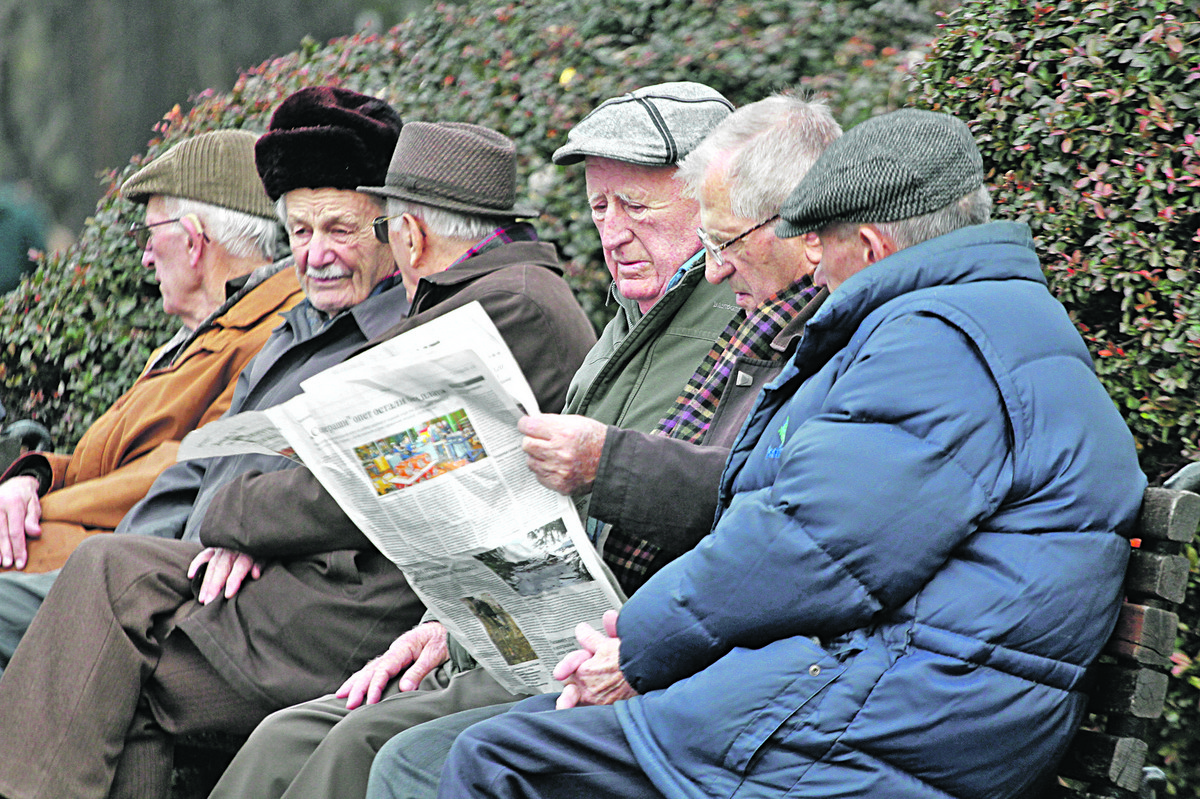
<point>1087,115</point>
<point>79,330</point>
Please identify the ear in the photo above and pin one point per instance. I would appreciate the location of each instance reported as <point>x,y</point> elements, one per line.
<point>813,249</point>
<point>414,240</point>
<point>876,245</point>
<point>197,241</point>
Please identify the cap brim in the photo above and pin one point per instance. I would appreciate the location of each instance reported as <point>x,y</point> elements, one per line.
<point>516,212</point>
<point>786,230</point>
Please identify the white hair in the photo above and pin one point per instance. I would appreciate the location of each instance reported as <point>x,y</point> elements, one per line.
<point>973,208</point>
<point>443,223</point>
<point>242,234</point>
<point>770,146</point>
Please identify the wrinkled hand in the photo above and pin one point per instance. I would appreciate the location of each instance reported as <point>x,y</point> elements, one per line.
<point>227,570</point>
<point>592,674</point>
<point>424,646</point>
<point>20,516</point>
<point>563,451</point>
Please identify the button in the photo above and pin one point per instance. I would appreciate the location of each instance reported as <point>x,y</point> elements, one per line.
<point>744,379</point>
<point>814,670</point>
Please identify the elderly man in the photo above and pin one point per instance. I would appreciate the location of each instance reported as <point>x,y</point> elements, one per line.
<point>668,320</point>
<point>322,750</point>
<point>319,596</point>
<point>919,479</point>
<point>210,235</point>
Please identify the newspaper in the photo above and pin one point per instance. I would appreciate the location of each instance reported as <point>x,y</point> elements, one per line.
<point>416,439</point>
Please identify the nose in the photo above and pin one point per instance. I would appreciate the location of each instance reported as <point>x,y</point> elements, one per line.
<point>716,273</point>
<point>614,229</point>
<point>148,255</point>
<point>319,251</point>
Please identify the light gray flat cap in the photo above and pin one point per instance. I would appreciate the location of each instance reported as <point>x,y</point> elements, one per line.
<point>652,126</point>
<point>892,167</point>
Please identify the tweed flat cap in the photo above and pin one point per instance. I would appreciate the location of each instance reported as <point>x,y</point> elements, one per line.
<point>457,167</point>
<point>892,167</point>
<point>215,167</point>
<point>326,137</point>
<point>652,126</point>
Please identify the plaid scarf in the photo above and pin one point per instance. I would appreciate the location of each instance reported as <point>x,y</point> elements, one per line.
<point>631,557</point>
<point>693,411</point>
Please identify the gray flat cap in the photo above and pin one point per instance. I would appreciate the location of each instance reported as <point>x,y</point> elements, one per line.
<point>892,167</point>
<point>652,126</point>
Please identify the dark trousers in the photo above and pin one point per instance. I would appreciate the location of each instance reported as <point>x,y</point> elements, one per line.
<point>103,680</point>
<point>536,751</point>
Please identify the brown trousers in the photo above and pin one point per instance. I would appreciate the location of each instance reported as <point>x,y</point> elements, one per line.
<point>102,680</point>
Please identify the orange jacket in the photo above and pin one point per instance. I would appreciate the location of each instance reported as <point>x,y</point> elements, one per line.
<point>124,450</point>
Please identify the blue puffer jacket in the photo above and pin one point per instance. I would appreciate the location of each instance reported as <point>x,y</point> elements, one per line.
<point>915,555</point>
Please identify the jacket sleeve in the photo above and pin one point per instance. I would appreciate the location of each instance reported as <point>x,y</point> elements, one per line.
<point>278,514</point>
<point>547,333</point>
<point>120,489</point>
<point>860,505</point>
<point>658,488</point>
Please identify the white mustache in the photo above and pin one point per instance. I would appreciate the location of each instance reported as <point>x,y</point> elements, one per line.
<point>326,272</point>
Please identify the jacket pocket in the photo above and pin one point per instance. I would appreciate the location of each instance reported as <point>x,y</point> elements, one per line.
<point>808,670</point>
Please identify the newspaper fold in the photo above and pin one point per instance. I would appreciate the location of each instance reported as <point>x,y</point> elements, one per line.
<point>416,439</point>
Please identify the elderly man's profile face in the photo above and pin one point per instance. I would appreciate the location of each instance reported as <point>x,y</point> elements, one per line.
<point>647,227</point>
<point>167,252</point>
<point>338,259</point>
<point>758,265</point>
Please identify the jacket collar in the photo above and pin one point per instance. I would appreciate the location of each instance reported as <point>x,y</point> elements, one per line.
<point>993,251</point>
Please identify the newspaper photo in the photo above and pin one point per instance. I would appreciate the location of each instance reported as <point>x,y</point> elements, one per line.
<point>417,441</point>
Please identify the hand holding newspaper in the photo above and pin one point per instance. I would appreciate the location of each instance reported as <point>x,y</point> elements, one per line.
<point>416,439</point>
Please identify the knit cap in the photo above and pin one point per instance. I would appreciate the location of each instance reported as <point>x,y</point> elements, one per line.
<point>215,167</point>
<point>327,137</point>
<point>891,167</point>
<point>652,126</point>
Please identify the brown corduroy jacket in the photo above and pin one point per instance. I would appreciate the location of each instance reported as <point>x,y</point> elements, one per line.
<point>124,450</point>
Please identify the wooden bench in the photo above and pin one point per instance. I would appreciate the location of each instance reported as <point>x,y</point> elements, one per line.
<point>1128,685</point>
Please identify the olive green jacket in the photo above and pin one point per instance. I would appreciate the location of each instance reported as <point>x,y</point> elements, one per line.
<point>642,362</point>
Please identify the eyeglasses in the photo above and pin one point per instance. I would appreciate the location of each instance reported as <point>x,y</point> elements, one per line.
<point>380,226</point>
<point>141,233</point>
<point>714,249</point>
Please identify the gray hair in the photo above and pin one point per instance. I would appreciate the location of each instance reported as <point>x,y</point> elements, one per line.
<point>443,223</point>
<point>973,208</point>
<point>771,145</point>
<point>241,234</point>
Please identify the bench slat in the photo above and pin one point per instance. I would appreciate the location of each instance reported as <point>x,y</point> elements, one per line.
<point>1144,635</point>
<point>1097,756</point>
<point>1151,574</point>
<point>1168,515</point>
<point>1135,692</point>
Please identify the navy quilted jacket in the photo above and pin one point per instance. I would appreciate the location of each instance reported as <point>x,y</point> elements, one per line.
<point>916,552</point>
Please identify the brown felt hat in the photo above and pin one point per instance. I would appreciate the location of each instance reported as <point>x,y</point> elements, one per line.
<point>455,166</point>
<point>215,167</point>
<point>324,137</point>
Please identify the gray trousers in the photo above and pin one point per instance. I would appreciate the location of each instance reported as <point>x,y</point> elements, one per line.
<point>321,750</point>
<point>21,595</point>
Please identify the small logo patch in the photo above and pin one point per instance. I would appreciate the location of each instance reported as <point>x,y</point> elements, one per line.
<point>775,452</point>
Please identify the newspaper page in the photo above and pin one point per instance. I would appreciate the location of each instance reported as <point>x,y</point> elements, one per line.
<point>417,441</point>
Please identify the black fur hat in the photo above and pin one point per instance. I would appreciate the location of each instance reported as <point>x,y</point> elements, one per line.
<point>326,137</point>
